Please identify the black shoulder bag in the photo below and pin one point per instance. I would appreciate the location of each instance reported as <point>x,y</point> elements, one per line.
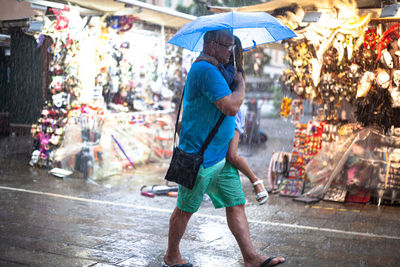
<point>184,166</point>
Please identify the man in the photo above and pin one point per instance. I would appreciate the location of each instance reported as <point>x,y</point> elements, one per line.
<point>207,95</point>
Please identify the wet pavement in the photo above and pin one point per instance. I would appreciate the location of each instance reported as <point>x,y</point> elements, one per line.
<point>48,221</point>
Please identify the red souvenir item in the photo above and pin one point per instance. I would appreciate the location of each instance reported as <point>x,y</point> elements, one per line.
<point>388,36</point>
<point>370,39</point>
<point>62,23</point>
<point>126,23</point>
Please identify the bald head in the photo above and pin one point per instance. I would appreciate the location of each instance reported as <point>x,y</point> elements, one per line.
<point>215,36</point>
<point>217,43</point>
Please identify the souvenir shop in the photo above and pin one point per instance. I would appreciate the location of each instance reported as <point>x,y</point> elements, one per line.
<point>346,62</point>
<point>112,94</point>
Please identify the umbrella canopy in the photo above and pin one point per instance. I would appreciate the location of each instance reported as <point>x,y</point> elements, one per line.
<point>253,28</point>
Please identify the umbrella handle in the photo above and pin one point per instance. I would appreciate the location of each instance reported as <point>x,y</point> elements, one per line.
<point>254,45</point>
<point>234,59</point>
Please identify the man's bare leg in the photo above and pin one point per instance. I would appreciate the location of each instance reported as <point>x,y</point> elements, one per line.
<point>237,222</point>
<point>177,226</point>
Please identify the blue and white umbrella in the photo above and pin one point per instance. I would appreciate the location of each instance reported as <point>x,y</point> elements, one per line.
<point>252,28</point>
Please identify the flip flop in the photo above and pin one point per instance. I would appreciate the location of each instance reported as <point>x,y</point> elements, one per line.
<point>265,263</point>
<point>178,265</point>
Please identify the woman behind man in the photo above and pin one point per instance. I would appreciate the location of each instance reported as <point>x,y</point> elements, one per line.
<point>233,156</point>
<point>234,159</point>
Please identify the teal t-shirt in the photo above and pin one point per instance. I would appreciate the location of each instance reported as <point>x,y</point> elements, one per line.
<point>204,85</point>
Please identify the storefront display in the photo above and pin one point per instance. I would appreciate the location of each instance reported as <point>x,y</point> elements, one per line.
<point>347,66</point>
<point>363,161</point>
<point>111,94</point>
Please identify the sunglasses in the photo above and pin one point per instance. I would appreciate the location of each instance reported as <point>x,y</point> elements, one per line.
<point>229,47</point>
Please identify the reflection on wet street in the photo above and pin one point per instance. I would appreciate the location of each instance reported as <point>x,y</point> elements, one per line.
<point>49,221</point>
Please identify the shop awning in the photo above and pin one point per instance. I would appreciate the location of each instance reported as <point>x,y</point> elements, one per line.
<point>15,10</point>
<point>276,4</point>
<point>143,11</point>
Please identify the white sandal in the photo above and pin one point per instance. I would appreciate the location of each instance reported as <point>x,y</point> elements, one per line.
<point>263,195</point>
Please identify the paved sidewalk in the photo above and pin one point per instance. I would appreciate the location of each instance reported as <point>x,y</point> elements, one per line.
<point>45,221</point>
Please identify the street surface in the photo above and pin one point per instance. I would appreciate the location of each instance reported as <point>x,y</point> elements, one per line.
<point>49,221</point>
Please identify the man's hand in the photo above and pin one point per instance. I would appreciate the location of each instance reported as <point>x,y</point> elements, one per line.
<point>230,104</point>
<point>238,78</point>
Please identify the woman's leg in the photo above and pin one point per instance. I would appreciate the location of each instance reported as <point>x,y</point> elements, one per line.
<point>240,163</point>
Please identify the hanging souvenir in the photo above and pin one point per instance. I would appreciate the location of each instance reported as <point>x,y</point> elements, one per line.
<point>114,22</point>
<point>388,36</point>
<point>387,59</point>
<point>395,89</point>
<point>34,158</point>
<point>126,23</point>
<point>286,106</point>
<point>375,109</point>
<point>297,110</point>
<point>321,114</point>
<point>370,39</point>
<point>289,79</point>
<point>62,23</point>
<point>382,79</point>
<point>339,44</point>
<point>349,43</point>
<point>354,76</point>
<point>365,84</point>
<point>56,68</point>
<point>60,100</point>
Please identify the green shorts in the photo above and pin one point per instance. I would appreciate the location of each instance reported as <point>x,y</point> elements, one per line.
<point>220,181</point>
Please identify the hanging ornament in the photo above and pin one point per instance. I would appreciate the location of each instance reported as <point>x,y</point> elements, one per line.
<point>286,106</point>
<point>375,109</point>
<point>370,39</point>
<point>35,158</point>
<point>365,84</point>
<point>387,37</point>
<point>114,22</point>
<point>394,90</point>
<point>62,23</point>
<point>382,78</point>
<point>126,23</point>
<point>57,84</point>
<point>297,110</point>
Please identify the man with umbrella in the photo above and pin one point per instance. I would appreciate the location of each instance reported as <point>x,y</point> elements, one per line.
<point>207,95</point>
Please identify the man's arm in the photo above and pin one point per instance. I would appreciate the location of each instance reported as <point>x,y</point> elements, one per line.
<point>230,104</point>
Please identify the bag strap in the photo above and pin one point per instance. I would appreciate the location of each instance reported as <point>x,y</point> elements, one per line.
<point>177,115</point>
<point>210,135</point>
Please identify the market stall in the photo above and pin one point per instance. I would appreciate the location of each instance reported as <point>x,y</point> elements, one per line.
<point>113,86</point>
<point>346,63</point>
